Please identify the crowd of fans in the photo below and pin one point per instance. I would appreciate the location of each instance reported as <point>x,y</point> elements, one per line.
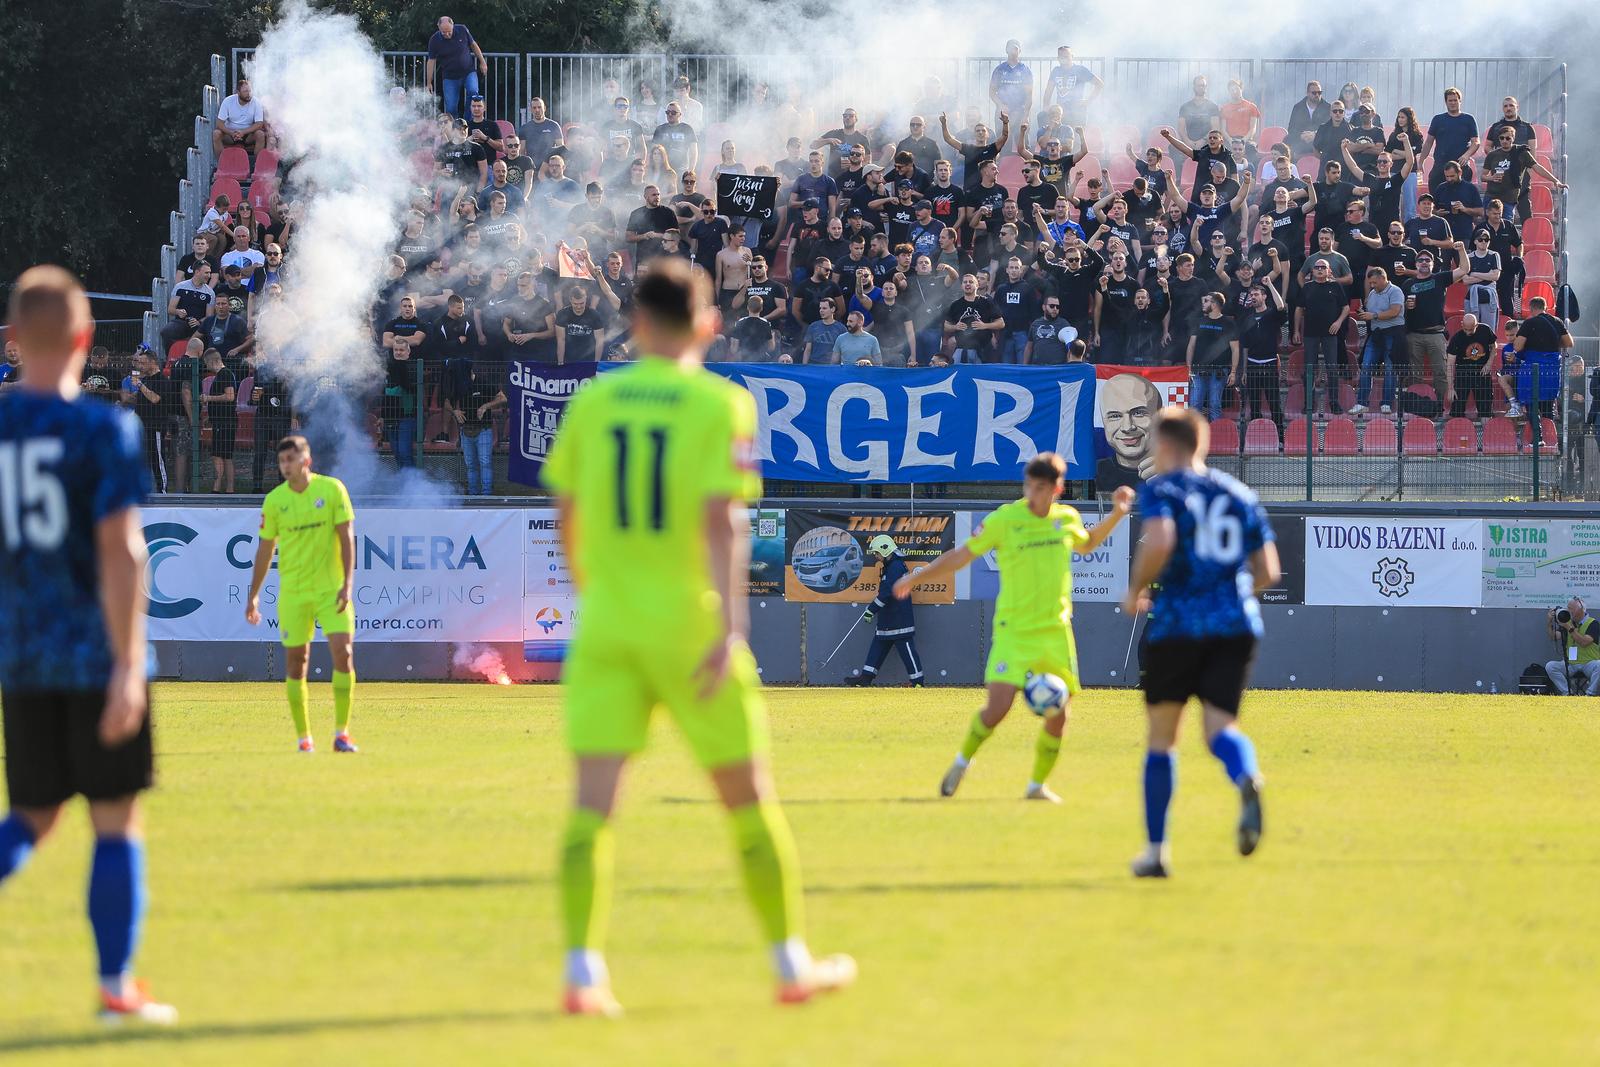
<point>1021,233</point>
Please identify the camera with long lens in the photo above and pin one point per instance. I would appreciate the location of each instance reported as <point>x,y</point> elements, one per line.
<point>1563,617</point>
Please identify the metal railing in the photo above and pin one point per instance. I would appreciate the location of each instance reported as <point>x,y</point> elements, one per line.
<point>502,89</point>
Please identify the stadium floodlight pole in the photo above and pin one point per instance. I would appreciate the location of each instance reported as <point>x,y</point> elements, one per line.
<point>845,638</point>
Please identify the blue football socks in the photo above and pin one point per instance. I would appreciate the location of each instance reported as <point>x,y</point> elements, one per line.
<point>116,902</point>
<point>1237,754</point>
<point>1160,779</point>
<point>16,845</point>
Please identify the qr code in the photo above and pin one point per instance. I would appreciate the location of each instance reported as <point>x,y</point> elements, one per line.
<point>766,527</point>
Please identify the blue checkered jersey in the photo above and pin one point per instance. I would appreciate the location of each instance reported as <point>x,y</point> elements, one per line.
<point>64,466</point>
<point>1206,589</point>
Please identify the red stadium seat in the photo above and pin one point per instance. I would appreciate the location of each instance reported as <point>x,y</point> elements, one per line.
<point>1261,438</point>
<point>1309,166</point>
<point>1544,289</point>
<point>1542,201</point>
<point>1537,232</point>
<point>234,162</point>
<point>174,350</point>
<point>1460,437</point>
<point>1089,166</point>
<point>1377,438</point>
<point>1294,437</point>
<point>243,393</point>
<point>1269,137</point>
<point>225,186</point>
<point>267,164</point>
<point>1294,405</point>
<point>1347,395</point>
<point>1225,438</point>
<point>262,190</point>
<point>506,129</point>
<point>1499,437</point>
<point>1420,438</point>
<point>1539,263</point>
<point>1010,174</point>
<point>1339,437</point>
<point>1548,442</point>
<point>1094,137</point>
<point>1155,140</point>
<point>1186,179</point>
<point>1543,138</point>
<point>1455,300</point>
<point>1122,171</point>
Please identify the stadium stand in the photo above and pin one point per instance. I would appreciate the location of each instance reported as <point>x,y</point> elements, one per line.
<point>592,198</point>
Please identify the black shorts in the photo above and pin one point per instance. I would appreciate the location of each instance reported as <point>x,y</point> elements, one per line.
<point>224,432</point>
<point>53,750</point>
<point>1215,669</point>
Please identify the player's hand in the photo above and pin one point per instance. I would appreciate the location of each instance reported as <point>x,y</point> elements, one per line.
<point>1132,602</point>
<point>343,600</point>
<point>252,611</point>
<point>713,669</point>
<point>126,702</point>
<point>1122,500</point>
<point>902,588</point>
<point>866,616</point>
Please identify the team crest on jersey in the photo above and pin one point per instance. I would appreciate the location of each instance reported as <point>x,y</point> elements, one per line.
<point>319,502</point>
<point>1001,667</point>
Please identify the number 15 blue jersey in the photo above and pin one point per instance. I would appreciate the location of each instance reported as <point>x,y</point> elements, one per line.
<point>1206,587</point>
<point>64,466</point>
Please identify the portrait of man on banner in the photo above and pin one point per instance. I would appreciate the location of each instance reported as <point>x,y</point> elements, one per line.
<point>1126,403</point>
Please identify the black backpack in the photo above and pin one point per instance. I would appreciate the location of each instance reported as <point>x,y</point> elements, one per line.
<point>1535,681</point>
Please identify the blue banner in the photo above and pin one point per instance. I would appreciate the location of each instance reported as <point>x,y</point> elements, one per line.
<point>953,424</point>
<point>537,394</point>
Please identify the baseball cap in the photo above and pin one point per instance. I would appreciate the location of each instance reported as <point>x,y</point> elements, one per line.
<point>904,183</point>
<point>811,205</point>
<point>854,213</point>
<point>921,204</point>
<point>870,167</point>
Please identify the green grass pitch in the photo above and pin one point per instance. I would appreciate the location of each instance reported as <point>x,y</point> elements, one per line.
<point>1425,893</point>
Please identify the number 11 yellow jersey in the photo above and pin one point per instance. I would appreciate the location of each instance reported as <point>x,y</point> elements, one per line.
<point>639,453</point>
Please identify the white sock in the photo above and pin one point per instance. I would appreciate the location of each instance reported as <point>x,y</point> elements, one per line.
<point>586,967</point>
<point>962,761</point>
<point>791,959</point>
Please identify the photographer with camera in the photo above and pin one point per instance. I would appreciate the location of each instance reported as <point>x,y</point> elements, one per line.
<point>1580,664</point>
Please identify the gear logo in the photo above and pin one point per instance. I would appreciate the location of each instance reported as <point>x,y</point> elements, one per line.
<point>1393,577</point>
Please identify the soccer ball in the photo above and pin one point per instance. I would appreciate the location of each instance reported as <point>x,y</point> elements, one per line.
<point>1044,693</point>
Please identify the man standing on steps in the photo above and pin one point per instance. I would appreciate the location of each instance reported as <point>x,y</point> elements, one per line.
<point>897,627</point>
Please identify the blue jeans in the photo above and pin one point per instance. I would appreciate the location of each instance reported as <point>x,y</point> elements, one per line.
<point>1012,346</point>
<point>928,343</point>
<point>1380,349</point>
<point>1408,198</point>
<point>456,92</point>
<point>478,451</point>
<point>1208,386</point>
<point>402,434</point>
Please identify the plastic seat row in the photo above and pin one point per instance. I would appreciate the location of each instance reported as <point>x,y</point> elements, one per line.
<point>1377,437</point>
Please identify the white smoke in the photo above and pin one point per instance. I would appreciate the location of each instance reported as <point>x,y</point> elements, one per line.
<point>899,46</point>
<point>329,99</point>
<point>482,661</point>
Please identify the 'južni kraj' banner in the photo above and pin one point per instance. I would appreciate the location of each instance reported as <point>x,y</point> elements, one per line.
<point>956,424</point>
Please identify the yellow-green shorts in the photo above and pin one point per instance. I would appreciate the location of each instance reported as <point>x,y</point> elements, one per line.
<point>298,619</point>
<point>611,688</point>
<point>1014,655</point>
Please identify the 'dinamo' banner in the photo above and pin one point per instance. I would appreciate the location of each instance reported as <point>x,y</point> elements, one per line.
<point>956,424</point>
<point>426,574</point>
<point>537,394</point>
<point>828,561</point>
<point>1126,405</point>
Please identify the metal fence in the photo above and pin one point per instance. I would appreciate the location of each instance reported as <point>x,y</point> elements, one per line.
<point>502,89</point>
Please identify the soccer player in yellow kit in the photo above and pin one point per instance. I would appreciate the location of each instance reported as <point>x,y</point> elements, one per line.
<point>652,468</point>
<point>1033,540</point>
<point>307,520</point>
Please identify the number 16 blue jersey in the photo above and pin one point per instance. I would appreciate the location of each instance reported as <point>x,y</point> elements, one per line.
<point>64,466</point>
<point>1206,587</point>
